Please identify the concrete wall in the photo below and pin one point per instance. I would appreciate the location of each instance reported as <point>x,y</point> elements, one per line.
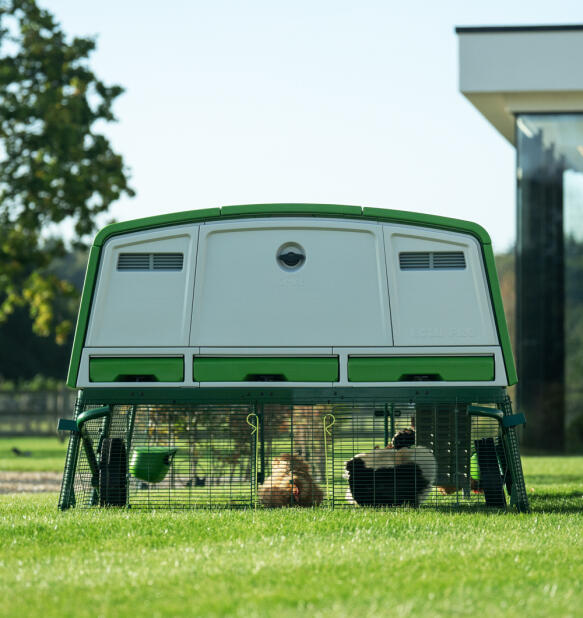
<point>505,71</point>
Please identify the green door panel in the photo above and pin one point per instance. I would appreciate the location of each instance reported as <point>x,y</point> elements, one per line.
<point>136,369</point>
<point>430,368</point>
<point>275,369</point>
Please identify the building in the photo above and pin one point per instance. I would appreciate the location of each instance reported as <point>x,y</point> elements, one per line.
<point>528,83</point>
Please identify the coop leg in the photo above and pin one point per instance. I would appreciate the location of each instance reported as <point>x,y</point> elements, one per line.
<point>518,496</point>
<point>508,421</point>
<point>67,496</point>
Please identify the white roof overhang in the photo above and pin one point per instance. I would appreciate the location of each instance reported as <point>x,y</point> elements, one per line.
<point>505,71</point>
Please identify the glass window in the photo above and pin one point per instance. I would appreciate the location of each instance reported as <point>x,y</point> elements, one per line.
<point>549,270</point>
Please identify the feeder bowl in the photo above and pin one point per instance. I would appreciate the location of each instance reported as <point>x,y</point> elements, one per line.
<point>474,467</point>
<point>151,464</point>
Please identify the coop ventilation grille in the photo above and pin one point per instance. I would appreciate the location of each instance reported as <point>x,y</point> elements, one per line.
<point>150,261</point>
<point>425,260</point>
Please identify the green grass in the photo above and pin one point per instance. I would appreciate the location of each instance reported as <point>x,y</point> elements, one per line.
<point>293,562</point>
<point>47,454</point>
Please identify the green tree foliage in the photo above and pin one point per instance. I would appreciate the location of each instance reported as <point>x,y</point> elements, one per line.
<point>54,164</point>
<point>26,356</point>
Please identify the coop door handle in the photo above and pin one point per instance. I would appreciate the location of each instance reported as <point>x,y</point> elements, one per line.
<point>291,258</point>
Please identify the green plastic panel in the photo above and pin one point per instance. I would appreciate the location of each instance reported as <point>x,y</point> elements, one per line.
<point>291,209</point>
<point>83,317</point>
<point>441,368</point>
<point>297,395</point>
<point>499,316</point>
<point>242,369</point>
<point>113,369</point>
<point>148,223</point>
<point>435,221</point>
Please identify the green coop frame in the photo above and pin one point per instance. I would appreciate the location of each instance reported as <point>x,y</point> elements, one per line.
<point>190,425</point>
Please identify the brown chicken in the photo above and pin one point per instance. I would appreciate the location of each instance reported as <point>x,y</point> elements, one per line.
<point>290,484</point>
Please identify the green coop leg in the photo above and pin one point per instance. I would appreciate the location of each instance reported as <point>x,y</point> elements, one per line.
<point>67,496</point>
<point>518,496</point>
<point>508,421</point>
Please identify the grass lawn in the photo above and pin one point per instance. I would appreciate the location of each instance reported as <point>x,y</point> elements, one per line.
<point>46,454</point>
<point>359,562</point>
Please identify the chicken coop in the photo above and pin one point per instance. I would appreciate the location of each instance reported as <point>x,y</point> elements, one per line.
<point>292,355</point>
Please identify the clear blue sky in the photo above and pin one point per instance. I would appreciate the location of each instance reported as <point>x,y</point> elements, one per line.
<point>307,101</point>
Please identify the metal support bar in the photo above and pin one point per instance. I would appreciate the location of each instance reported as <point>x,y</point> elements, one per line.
<point>67,496</point>
<point>508,422</point>
<point>518,496</point>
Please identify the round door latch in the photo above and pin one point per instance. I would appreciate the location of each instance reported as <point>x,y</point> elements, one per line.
<point>291,256</point>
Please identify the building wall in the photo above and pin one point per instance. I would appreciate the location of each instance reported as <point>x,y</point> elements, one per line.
<point>528,83</point>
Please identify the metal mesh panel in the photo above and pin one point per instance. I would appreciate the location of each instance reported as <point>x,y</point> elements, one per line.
<point>437,470</point>
<point>261,455</point>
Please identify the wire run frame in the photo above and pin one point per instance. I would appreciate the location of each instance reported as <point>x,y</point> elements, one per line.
<point>251,448</point>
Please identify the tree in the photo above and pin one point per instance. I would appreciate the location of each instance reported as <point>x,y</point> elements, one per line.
<point>54,164</point>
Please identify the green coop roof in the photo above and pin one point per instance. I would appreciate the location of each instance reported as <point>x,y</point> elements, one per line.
<point>279,210</point>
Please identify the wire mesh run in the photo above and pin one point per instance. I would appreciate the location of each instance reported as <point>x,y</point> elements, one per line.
<point>259,455</point>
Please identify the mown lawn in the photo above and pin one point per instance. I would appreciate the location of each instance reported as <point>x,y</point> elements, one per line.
<point>295,562</point>
<point>41,455</point>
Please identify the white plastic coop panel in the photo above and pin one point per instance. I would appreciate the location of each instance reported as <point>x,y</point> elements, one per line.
<point>435,301</point>
<point>144,289</point>
<point>336,295</point>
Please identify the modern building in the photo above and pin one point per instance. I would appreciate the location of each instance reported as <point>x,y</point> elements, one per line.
<point>528,83</point>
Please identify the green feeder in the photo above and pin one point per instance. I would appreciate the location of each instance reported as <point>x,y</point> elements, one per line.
<point>474,467</point>
<point>151,463</point>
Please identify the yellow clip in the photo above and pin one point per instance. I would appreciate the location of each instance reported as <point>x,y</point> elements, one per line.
<point>328,424</point>
<point>256,419</point>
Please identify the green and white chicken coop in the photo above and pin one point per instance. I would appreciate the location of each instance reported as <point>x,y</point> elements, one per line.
<point>292,355</point>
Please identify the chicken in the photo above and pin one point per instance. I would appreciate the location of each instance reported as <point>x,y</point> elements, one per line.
<point>290,484</point>
<point>391,477</point>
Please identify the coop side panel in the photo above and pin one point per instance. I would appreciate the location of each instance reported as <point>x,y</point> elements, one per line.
<point>438,289</point>
<point>143,295</point>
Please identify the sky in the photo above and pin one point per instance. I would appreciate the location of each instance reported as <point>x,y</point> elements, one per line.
<point>308,101</point>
